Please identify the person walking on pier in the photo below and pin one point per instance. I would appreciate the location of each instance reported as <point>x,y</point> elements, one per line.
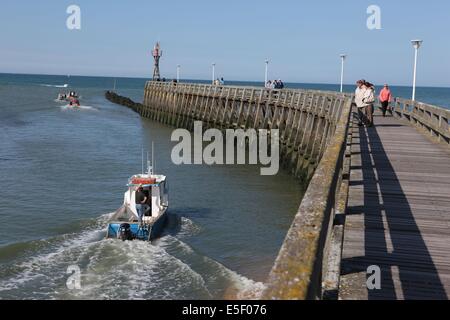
<point>359,96</point>
<point>273,84</point>
<point>279,84</point>
<point>385,98</point>
<point>368,101</point>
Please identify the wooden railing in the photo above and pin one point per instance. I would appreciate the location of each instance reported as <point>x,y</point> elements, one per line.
<point>306,119</point>
<point>434,120</point>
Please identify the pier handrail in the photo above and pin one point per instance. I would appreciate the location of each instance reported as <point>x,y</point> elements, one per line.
<point>301,266</point>
<point>200,86</point>
<point>433,119</point>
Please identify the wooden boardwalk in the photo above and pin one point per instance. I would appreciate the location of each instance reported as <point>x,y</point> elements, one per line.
<point>398,215</point>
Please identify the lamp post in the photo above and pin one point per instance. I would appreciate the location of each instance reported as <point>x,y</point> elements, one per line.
<point>266,78</point>
<point>343,57</point>
<point>213,72</point>
<point>416,44</point>
<point>178,73</point>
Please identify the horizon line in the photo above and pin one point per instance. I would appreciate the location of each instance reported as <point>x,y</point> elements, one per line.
<point>245,81</point>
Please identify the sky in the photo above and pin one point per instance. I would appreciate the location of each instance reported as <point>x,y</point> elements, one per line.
<point>302,39</point>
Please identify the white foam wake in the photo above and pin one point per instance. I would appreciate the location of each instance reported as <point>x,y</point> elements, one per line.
<point>76,108</point>
<point>56,86</point>
<point>112,269</point>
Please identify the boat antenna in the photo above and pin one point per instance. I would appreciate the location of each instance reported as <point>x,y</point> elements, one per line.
<point>149,165</point>
<point>142,160</point>
<point>153,157</point>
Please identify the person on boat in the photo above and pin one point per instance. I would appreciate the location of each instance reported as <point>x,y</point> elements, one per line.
<point>141,200</point>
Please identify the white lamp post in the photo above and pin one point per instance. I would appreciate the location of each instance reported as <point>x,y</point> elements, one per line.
<point>343,56</point>
<point>416,44</point>
<point>178,73</point>
<point>266,78</point>
<point>213,72</point>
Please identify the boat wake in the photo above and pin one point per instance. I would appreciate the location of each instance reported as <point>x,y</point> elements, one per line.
<point>111,269</point>
<point>76,108</point>
<point>55,85</point>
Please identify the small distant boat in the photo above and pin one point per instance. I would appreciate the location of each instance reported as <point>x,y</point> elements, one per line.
<point>125,225</point>
<point>66,97</point>
<point>71,97</point>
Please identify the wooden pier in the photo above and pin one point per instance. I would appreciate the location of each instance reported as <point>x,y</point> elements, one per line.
<point>306,119</point>
<point>398,215</point>
<point>376,196</point>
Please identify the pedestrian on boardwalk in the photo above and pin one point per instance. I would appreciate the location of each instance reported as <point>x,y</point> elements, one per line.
<point>368,101</point>
<point>273,85</point>
<point>359,95</point>
<point>385,98</point>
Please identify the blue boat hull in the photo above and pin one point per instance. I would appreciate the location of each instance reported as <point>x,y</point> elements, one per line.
<point>146,233</point>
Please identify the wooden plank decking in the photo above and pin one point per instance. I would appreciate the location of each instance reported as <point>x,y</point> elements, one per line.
<point>398,215</point>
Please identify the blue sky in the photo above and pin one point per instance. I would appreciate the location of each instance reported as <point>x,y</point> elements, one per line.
<point>302,39</point>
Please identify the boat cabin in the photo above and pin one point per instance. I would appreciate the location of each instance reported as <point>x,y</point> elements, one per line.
<point>155,188</point>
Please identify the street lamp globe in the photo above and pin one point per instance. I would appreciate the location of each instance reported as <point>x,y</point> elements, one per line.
<point>416,43</point>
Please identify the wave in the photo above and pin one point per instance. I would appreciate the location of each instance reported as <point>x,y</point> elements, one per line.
<point>222,282</point>
<point>110,269</point>
<point>68,107</point>
<point>55,85</point>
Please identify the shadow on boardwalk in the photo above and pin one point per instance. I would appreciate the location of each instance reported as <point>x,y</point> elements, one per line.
<point>384,223</point>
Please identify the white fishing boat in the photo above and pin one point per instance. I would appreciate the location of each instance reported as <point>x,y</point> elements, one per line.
<point>71,97</point>
<point>126,224</point>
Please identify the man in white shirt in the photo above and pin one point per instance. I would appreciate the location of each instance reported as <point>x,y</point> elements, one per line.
<point>359,96</point>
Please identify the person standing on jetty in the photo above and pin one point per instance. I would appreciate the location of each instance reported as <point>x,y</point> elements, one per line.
<point>385,98</point>
<point>279,84</point>
<point>368,101</point>
<point>359,95</point>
